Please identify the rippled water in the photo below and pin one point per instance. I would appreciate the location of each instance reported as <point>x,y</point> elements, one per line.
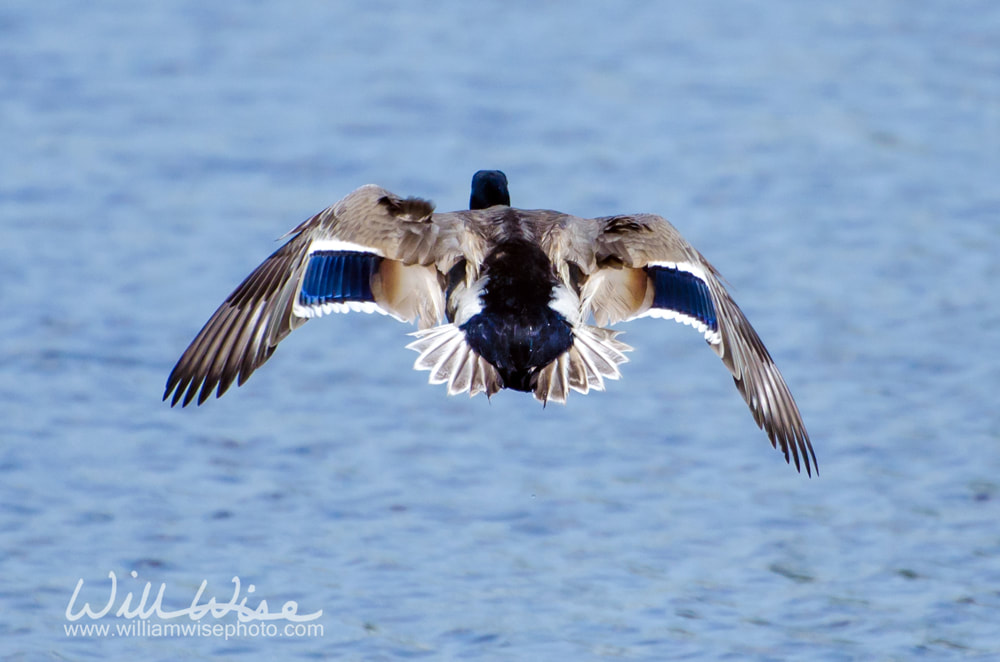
<point>837,162</point>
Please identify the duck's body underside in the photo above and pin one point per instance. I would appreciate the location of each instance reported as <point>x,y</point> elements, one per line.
<point>503,297</point>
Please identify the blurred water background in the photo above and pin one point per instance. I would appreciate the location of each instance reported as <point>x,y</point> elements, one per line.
<point>838,162</point>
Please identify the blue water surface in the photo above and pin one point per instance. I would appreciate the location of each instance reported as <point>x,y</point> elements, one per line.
<point>837,162</point>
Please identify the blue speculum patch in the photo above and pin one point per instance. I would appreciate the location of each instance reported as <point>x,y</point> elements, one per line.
<point>338,276</point>
<point>684,293</point>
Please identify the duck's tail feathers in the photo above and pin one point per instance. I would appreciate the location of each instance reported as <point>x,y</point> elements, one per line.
<point>445,353</point>
<point>594,357</point>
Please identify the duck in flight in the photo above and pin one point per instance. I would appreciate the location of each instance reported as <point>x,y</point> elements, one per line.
<point>503,298</point>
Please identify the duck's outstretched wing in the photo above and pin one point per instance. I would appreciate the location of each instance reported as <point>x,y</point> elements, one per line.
<point>371,252</point>
<point>643,267</point>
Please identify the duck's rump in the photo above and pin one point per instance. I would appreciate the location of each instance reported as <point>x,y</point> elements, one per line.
<point>518,346</point>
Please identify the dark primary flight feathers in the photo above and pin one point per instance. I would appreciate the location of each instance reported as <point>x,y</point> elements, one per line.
<point>503,298</point>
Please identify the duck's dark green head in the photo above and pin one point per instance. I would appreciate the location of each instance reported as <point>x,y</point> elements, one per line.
<point>489,187</point>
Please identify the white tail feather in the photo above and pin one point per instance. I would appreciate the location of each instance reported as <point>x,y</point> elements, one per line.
<point>594,357</point>
<point>445,353</point>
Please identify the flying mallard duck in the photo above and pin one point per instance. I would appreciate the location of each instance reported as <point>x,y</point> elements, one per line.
<point>502,297</point>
